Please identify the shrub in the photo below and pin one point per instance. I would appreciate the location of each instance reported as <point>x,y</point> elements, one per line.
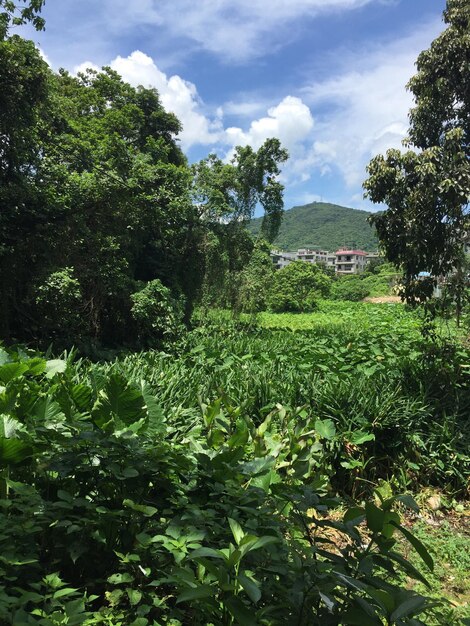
<point>59,305</point>
<point>256,280</point>
<point>297,287</point>
<point>157,313</point>
<point>349,288</point>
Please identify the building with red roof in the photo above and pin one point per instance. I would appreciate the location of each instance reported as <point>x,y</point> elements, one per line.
<point>350,261</point>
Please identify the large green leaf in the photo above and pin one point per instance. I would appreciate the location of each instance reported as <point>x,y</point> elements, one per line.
<point>146,510</point>
<point>237,530</point>
<point>14,451</point>
<point>375,517</point>
<point>417,545</point>
<point>4,357</point>
<point>410,606</point>
<point>48,411</point>
<point>81,395</point>
<point>55,366</point>
<point>197,593</point>
<point>156,418</point>
<point>119,399</point>
<point>325,428</point>
<point>250,587</point>
<point>9,371</point>
<point>9,427</point>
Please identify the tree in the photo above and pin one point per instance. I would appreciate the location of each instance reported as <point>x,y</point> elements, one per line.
<point>256,279</point>
<point>426,189</point>
<point>25,112</point>
<point>230,192</point>
<point>98,184</point>
<point>97,199</point>
<point>226,195</point>
<point>297,287</point>
<point>350,288</point>
<point>12,14</point>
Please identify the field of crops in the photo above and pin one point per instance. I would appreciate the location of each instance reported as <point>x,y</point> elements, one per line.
<point>230,479</point>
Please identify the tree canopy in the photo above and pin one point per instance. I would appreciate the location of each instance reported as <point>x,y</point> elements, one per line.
<point>13,14</point>
<point>97,200</point>
<point>297,287</point>
<point>426,189</point>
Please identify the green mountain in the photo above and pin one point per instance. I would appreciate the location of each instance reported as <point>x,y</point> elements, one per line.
<point>323,225</point>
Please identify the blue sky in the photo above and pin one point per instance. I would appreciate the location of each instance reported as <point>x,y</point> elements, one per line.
<point>326,76</point>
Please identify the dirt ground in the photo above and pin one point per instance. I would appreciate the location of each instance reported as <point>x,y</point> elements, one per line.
<point>383,299</point>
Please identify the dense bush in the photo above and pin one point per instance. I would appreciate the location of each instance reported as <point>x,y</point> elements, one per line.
<point>297,287</point>
<point>157,313</point>
<point>59,307</point>
<point>350,288</point>
<point>114,513</point>
<point>256,280</point>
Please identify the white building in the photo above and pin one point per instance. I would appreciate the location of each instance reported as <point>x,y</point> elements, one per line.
<point>351,261</point>
<point>344,261</point>
<point>322,257</point>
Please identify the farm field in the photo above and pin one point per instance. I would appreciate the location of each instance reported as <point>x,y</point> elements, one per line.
<point>195,485</point>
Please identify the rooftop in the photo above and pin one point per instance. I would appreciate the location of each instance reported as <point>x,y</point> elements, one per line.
<point>359,252</point>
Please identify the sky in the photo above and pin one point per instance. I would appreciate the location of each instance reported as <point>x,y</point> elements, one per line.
<point>327,77</point>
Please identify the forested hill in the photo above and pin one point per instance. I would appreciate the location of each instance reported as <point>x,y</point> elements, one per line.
<point>323,225</point>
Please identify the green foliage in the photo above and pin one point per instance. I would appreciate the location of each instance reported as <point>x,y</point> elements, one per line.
<point>323,225</point>
<point>426,189</point>
<point>226,195</point>
<point>256,280</point>
<point>349,288</point>
<point>297,287</point>
<point>13,14</point>
<point>92,178</point>
<point>58,302</point>
<point>231,191</point>
<point>99,185</point>
<point>123,514</point>
<point>378,280</point>
<point>449,545</point>
<point>157,313</point>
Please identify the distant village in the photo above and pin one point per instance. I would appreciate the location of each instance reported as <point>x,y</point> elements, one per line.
<point>344,261</point>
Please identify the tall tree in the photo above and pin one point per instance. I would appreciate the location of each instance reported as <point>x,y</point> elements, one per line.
<point>230,192</point>
<point>427,188</point>
<point>25,110</point>
<point>108,200</point>
<point>227,195</point>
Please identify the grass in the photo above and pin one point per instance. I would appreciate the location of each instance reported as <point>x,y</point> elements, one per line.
<point>346,317</point>
<point>448,541</point>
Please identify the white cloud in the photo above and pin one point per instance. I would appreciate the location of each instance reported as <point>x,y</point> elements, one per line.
<point>44,56</point>
<point>83,67</point>
<point>364,110</point>
<point>290,121</point>
<point>237,30</point>
<point>244,108</point>
<point>358,113</point>
<point>177,95</point>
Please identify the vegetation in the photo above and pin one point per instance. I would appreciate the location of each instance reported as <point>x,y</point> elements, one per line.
<point>323,225</point>
<point>378,280</point>
<point>426,189</point>
<point>247,468</point>
<point>448,542</point>
<point>96,199</point>
<point>137,501</point>
<point>297,287</point>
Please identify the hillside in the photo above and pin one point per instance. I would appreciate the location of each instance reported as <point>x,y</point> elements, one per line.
<point>323,225</point>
